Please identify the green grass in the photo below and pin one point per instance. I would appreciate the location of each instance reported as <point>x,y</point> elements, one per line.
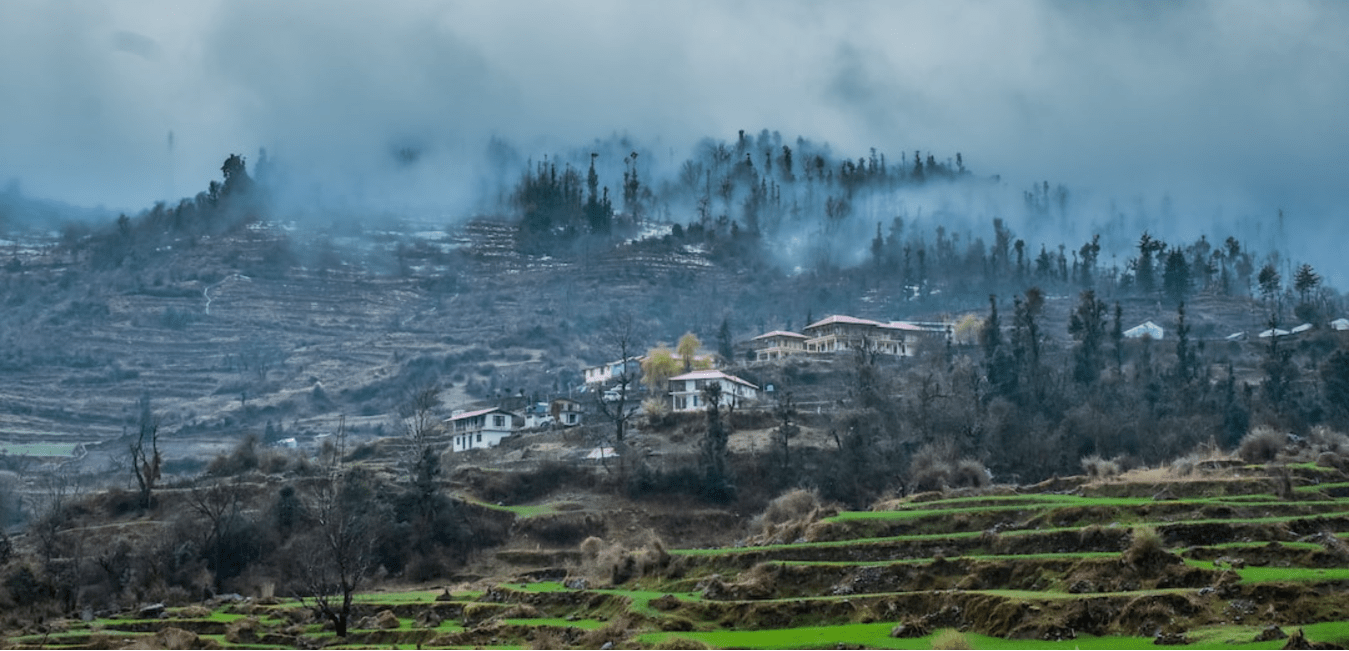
<point>1252,574</point>
<point>1047,556</point>
<point>925,509</point>
<point>853,542</point>
<point>520,511</point>
<point>641,599</point>
<point>415,596</point>
<point>1306,546</point>
<point>560,622</point>
<point>1312,488</point>
<point>878,636</point>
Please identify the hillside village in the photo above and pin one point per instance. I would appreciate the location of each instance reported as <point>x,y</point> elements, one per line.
<point>625,382</point>
<point>621,381</point>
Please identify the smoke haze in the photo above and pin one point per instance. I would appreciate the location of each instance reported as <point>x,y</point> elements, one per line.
<point>1213,112</point>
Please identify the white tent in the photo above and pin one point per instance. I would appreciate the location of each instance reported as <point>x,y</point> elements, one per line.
<point>1340,324</point>
<point>601,453</point>
<point>1147,329</point>
<point>1236,336</point>
<point>1302,328</point>
<point>1276,332</point>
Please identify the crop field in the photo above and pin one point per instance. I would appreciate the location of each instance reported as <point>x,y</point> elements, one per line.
<point>1088,565</point>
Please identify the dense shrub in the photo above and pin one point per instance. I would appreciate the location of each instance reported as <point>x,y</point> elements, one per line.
<point>1261,445</point>
<point>796,504</point>
<point>1098,468</point>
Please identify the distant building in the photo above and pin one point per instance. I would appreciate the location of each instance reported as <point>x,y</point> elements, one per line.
<point>778,344</point>
<point>1146,329</point>
<point>483,428</point>
<point>610,371</point>
<point>839,333</point>
<point>686,390</point>
<point>565,412</point>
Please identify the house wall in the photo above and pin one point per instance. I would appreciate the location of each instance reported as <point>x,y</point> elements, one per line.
<point>482,431</point>
<point>689,396</point>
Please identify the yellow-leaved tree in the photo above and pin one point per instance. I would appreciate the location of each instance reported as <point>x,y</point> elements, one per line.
<point>660,365</point>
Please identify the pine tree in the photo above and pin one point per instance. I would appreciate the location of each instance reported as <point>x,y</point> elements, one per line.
<point>1087,326</point>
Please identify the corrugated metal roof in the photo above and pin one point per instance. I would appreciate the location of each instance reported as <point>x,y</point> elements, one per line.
<point>781,333</point>
<point>712,375</point>
<point>842,318</point>
<point>470,414</point>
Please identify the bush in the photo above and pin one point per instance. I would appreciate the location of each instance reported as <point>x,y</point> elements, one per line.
<point>1261,445</point>
<point>969,473</point>
<point>1099,468</point>
<point>1146,548</point>
<point>798,504</point>
<point>950,638</point>
<point>243,459</point>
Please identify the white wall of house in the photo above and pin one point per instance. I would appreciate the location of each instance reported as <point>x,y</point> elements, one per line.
<point>686,390</point>
<point>480,429</point>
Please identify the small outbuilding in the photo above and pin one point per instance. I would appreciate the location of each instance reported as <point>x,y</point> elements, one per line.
<point>1147,329</point>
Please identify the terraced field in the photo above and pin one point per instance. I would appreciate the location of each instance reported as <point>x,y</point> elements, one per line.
<point>1217,561</point>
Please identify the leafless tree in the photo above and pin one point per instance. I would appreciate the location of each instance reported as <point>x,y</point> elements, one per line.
<point>420,427</point>
<point>337,553</point>
<point>145,459</point>
<point>219,505</point>
<point>418,422</point>
<point>620,336</point>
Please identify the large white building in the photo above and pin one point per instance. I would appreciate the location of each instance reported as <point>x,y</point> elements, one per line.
<point>840,333</point>
<point>686,391</point>
<point>483,428</point>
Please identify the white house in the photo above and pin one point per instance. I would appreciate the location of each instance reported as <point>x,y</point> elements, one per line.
<point>1146,329</point>
<point>610,371</point>
<point>483,428</point>
<point>565,412</point>
<point>686,390</point>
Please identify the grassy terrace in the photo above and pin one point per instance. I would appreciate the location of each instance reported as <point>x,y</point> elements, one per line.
<point>962,535</point>
<point>1060,573</point>
<point>878,636</point>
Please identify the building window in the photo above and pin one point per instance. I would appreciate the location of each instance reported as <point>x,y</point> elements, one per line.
<point>480,437</point>
<point>497,421</point>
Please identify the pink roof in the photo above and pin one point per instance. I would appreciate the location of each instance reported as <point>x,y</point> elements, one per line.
<point>780,333</point>
<point>840,318</point>
<point>711,375</point>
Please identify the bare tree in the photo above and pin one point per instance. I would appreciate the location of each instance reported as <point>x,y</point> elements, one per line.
<point>419,424</point>
<point>338,551</point>
<point>145,461</point>
<point>219,505</point>
<point>620,336</point>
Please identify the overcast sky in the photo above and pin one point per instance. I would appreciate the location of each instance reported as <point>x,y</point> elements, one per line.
<point>1230,107</point>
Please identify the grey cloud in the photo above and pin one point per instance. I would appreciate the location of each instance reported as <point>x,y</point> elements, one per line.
<point>1230,108</point>
<point>133,43</point>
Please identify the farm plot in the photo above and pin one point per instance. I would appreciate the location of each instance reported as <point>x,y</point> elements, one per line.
<point>1090,568</point>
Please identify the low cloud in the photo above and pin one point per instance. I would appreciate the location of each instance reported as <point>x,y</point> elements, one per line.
<point>1232,109</point>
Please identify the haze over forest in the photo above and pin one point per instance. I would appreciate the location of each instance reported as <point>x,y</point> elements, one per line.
<point>1171,118</point>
